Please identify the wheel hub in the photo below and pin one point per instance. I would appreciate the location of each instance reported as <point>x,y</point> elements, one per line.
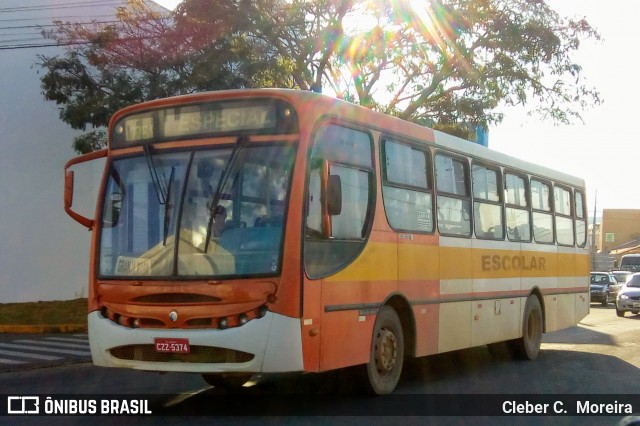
<point>386,351</point>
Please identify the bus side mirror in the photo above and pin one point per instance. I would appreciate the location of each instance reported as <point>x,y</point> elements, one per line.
<point>69,186</point>
<point>334,195</point>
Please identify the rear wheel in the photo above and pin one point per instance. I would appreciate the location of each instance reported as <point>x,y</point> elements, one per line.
<point>387,352</point>
<point>528,346</point>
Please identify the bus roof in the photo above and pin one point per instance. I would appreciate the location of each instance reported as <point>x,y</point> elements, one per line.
<point>315,104</point>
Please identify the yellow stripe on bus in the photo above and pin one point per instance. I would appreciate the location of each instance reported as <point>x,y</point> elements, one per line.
<point>388,261</point>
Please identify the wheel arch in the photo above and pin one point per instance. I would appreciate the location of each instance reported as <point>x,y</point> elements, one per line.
<point>401,305</point>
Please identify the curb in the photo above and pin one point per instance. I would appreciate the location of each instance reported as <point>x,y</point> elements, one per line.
<point>42,329</point>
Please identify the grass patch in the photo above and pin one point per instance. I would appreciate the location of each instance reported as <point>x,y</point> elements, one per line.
<point>44,313</point>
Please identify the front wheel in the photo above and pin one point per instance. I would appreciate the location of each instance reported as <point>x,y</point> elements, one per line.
<point>528,346</point>
<point>619,312</point>
<point>387,352</point>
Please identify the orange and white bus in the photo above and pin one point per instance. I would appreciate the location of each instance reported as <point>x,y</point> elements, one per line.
<point>267,231</point>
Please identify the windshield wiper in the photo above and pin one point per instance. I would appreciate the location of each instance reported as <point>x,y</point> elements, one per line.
<point>229,170</point>
<point>167,208</point>
<point>163,189</point>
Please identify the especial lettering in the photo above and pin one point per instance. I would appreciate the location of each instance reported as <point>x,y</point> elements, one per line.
<point>513,263</point>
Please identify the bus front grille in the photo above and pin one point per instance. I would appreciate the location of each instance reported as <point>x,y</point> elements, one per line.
<point>197,354</point>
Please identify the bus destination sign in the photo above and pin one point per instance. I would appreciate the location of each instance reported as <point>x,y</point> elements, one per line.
<point>195,120</point>
<point>199,120</point>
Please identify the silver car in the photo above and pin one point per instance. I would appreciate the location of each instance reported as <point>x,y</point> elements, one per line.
<point>628,298</point>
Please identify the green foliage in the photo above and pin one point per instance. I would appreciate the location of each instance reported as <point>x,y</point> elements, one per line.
<point>44,313</point>
<point>449,63</point>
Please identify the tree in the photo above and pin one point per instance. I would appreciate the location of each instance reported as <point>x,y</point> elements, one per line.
<point>452,62</point>
<point>444,63</point>
<point>145,54</point>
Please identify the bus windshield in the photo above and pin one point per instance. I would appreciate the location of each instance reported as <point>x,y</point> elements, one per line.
<point>160,209</point>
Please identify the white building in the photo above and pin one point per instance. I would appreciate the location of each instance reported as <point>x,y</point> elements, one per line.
<point>44,254</point>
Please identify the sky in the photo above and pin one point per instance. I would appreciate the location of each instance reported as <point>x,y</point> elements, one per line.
<point>600,149</point>
<point>603,150</point>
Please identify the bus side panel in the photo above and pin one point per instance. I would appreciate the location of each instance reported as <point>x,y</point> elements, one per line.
<point>583,298</point>
<point>497,287</point>
<point>455,284</point>
<point>311,325</point>
<point>573,275</point>
<point>350,299</point>
<point>418,275</point>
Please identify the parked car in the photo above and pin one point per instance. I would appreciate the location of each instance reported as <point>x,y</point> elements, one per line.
<point>629,296</point>
<point>622,276</point>
<point>604,287</point>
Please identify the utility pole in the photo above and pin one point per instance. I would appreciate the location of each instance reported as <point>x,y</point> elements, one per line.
<point>593,234</point>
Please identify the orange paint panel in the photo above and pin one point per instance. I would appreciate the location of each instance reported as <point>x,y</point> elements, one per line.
<point>311,325</point>
<point>345,339</point>
<point>356,292</point>
<point>423,290</point>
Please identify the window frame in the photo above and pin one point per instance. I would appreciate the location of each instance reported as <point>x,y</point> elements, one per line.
<point>583,218</point>
<point>323,255</point>
<point>386,182</point>
<point>468,197</point>
<point>526,208</point>
<point>550,212</point>
<point>564,216</point>
<point>500,202</point>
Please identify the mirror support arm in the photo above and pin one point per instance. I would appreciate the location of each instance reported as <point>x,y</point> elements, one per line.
<point>68,185</point>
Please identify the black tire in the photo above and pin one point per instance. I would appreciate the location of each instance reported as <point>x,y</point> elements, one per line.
<point>605,302</point>
<point>619,312</point>
<point>387,352</point>
<point>528,346</point>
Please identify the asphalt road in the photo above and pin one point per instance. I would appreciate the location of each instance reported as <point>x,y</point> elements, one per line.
<point>599,357</point>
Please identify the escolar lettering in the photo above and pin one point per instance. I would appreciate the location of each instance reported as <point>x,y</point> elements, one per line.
<point>513,263</point>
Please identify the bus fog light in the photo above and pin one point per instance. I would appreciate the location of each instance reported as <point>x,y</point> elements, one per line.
<point>243,319</point>
<point>262,311</point>
<point>223,324</point>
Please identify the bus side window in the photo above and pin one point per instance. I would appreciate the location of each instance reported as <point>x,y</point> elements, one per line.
<point>563,219</point>
<point>314,205</point>
<point>406,187</point>
<point>516,208</point>
<point>487,204</point>
<point>453,201</point>
<point>581,221</point>
<point>341,165</point>
<point>542,213</point>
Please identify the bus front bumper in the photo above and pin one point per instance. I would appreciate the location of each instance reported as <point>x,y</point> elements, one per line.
<point>271,344</point>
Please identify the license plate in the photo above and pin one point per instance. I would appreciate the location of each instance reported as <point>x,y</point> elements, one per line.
<point>636,305</point>
<point>177,346</point>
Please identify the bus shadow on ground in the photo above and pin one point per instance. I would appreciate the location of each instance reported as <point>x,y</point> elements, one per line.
<point>470,372</point>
